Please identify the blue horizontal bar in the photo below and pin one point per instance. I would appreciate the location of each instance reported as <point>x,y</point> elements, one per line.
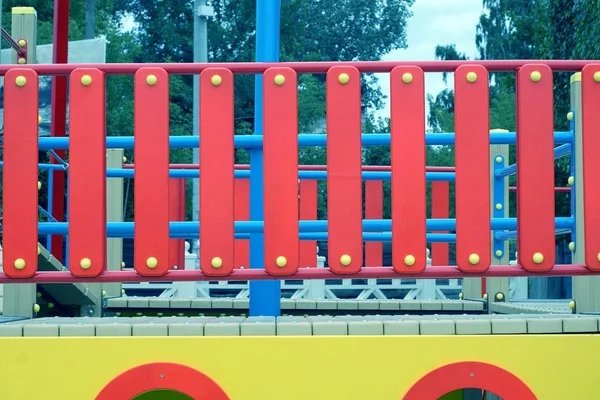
<point>316,175</point>
<point>559,152</point>
<point>60,167</point>
<point>254,141</point>
<point>513,234</point>
<point>114,229</point>
<point>367,237</point>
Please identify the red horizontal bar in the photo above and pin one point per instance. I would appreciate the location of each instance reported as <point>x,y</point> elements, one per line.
<point>306,67</point>
<point>304,273</point>
<point>371,168</point>
<point>556,189</point>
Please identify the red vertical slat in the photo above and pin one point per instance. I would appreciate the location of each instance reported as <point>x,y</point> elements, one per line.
<point>242,213</point>
<point>409,213</point>
<point>590,94</point>
<point>535,172</point>
<point>440,209</point>
<point>281,171</point>
<point>217,209</point>
<point>373,210</point>
<point>176,213</point>
<point>344,169</point>
<point>308,211</point>
<point>151,152</point>
<point>20,174</point>
<point>87,173</point>
<point>472,124</point>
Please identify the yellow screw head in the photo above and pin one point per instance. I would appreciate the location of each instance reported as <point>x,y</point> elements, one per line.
<point>460,295</point>
<point>410,260</point>
<point>407,77</point>
<point>151,80</point>
<point>499,253</point>
<point>216,80</point>
<point>535,76</point>
<point>216,262</point>
<point>22,42</point>
<point>343,78</point>
<point>471,77</point>
<point>122,291</point>
<point>39,250</point>
<point>122,264</point>
<point>86,80</point>
<point>21,81</point>
<point>498,206</point>
<point>485,296</point>
<point>124,159</point>
<point>570,115</point>
<point>571,246</point>
<point>597,76</point>
<point>474,259</point>
<point>345,260</point>
<point>39,185</point>
<point>538,258</point>
<point>571,180</point>
<point>19,263</point>
<point>499,296</point>
<point>85,263</point>
<point>151,262</point>
<point>598,256</point>
<point>21,60</point>
<point>572,305</point>
<point>281,261</point>
<point>40,119</point>
<point>279,79</point>
<point>36,308</point>
<point>498,159</point>
<point>103,293</point>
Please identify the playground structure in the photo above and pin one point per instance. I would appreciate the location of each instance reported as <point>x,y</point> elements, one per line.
<point>410,348</point>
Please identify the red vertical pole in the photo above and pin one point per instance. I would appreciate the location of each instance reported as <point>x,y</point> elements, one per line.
<point>20,174</point>
<point>176,213</point>
<point>58,119</point>
<point>308,211</point>
<point>151,152</point>
<point>590,94</point>
<point>280,105</point>
<point>242,213</point>
<point>409,207</point>
<point>373,210</point>
<point>472,125</point>
<point>217,181</point>
<point>87,173</point>
<point>344,170</point>
<point>535,172</point>
<point>440,209</point>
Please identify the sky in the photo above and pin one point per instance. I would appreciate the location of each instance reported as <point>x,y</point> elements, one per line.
<point>435,22</point>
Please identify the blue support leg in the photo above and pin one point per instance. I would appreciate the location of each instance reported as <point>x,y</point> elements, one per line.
<point>265,296</point>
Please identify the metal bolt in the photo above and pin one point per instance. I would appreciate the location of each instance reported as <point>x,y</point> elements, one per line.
<point>162,375</point>
<point>472,374</point>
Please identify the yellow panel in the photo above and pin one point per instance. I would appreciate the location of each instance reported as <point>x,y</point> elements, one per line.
<point>24,10</point>
<point>294,368</point>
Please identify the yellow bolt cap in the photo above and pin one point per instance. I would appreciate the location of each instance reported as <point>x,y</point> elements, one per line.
<point>122,264</point>
<point>216,80</point>
<point>343,78</point>
<point>21,81</point>
<point>460,295</point>
<point>499,253</point>
<point>39,250</point>
<point>85,263</point>
<point>22,42</point>
<point>535,76</point>
<point>39,185</point>
<point>571,180</point>
<point>499,296</point>
<point>151,262</point>
<point>571,246</point>
<point>124,159</point>
<point>572,305</point>
<point>410,260</point>
<point>216,262</point>
<point>21,60</point>
<point>36,308</point>
<point>281,261</point>
<point>151,80</point>
<point>538,258</point>
<point>598,256</point>
<point>485,296</point>
<point>498,159</point>
<point>104,293</point>
<point>279,79</point>
<point>471,77</point>
<point>407,77</point>
<point>474,259</point>
<point>122,291</point>
<point>19,263</point>
<point>345,260</point>
<point>597,76</point>
<point>498,206</point>
<point>86,80</point>
<point>570,116</point>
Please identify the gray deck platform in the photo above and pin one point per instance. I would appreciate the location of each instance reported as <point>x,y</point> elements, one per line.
<point>313,325</point>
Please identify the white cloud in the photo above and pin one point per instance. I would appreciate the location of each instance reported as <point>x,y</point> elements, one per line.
<point>436,22</point>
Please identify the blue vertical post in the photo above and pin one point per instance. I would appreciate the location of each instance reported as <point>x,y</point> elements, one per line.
<point>265,296</point>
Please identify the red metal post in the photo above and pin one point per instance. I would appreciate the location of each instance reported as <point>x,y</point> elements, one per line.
<point>151,152</point>
<point>409,206</point>
<point>280,127</point>
<point>344,161</point>
<point>87,174</point>
<point>308,211</point>
<point>241,255</point>
<point>176,213</point>
<point>373,210</point>
<point>440,209</point>
<point>217,182</point>
<point>472,122</point>
<point>58,119</point>
<point>535,175</point>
